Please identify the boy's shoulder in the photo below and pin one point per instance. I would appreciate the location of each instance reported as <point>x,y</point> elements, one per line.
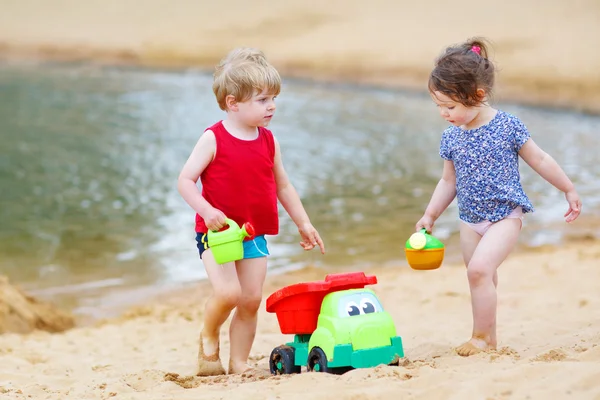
<point>215,127</point>
<point>263,130</point>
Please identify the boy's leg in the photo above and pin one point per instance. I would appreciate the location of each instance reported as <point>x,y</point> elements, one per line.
<point>251,274</point>
<point>225,296</point>
<point>492,250</point>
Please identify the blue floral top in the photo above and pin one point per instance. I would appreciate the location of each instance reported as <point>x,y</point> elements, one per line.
<point>486,160</point>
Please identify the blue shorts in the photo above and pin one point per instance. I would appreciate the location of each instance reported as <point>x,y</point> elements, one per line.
<point>255,248</point>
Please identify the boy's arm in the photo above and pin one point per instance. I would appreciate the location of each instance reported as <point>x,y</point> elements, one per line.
<point>201,156</point>
<point>287,195</point>
<point>547,167</point>
<point>444,193</point>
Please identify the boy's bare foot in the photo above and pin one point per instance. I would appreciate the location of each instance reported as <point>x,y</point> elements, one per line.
<point>209,362</point>
<point>474,346</point>
<point>238,367</point>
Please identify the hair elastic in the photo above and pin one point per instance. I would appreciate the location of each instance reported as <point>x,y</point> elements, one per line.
<point>476,50</point>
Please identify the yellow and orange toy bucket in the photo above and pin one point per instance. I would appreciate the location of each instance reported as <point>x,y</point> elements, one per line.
<point>424,251</point>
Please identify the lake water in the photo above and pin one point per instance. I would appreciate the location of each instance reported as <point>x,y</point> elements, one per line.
<point>90,156</point>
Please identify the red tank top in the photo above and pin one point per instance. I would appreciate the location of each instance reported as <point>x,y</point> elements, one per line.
<point>240,181</point>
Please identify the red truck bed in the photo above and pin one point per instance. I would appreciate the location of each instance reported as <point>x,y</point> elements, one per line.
<point>298,306</point>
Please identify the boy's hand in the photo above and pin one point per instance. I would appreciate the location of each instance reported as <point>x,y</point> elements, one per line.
<point>425,222</point>
<point>214,219</point>
<point>574,206</point>
<point>310,237</point>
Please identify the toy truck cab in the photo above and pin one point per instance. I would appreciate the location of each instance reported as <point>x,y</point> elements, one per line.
<point>338,325</point>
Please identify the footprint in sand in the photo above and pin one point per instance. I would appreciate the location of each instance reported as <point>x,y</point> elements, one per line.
<point>144,380</point>
<point>191,382</point>
<point>505,351</point>
<point>552,355</point>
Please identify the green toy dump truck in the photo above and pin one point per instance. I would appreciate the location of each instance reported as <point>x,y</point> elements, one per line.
<point>337,324</point>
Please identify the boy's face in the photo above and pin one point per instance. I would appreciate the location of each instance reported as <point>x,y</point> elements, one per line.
<point>257,110</point>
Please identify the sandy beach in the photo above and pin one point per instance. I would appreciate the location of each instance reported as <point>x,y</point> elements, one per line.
<point>546,54</point>
<point>549,342</point>
<point>549,302</point>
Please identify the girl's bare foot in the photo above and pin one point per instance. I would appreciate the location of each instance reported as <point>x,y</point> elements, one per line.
<point>474,346</point>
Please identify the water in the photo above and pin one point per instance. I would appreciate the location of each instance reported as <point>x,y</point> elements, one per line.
<point>90,157</point>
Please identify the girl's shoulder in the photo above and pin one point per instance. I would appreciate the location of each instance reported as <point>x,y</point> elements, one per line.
<point>450,133</point>
<point>508,120</point>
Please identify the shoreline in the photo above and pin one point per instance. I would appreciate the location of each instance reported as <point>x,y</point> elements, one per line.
<point>161,292</point>
<point>112,308</point>
<point>548,93</point>
<point>543,56</point>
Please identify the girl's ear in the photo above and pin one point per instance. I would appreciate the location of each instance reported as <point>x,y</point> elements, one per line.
<point>481,94</point>
<point>231,103</point>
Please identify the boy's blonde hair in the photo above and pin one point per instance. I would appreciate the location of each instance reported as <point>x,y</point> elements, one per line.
<point>242,73</point>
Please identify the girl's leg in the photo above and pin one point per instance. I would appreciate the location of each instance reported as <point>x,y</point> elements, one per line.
<point>492,250</point>
<point>225,296</point>
<point>251,273</point>
<point>469,239</point>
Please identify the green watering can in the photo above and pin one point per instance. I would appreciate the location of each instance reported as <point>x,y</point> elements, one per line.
<point>424,251</point>
<point>227,245</point>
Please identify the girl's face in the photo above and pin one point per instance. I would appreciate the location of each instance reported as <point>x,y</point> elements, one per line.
<point>454,112</point>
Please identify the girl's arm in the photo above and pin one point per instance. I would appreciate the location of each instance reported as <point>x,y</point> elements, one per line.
<point>201,156</point>
<point>542,163</point>
<point>287,195</point>
<point>444,193</point>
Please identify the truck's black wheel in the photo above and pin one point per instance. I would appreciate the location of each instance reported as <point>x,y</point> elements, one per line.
<point>282,361</point>
<point>317,362</point>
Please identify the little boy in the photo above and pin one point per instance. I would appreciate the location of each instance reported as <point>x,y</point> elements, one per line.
<point>238,162</point>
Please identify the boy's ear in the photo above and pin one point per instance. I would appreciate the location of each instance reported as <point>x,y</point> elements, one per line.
<point>231,103</point>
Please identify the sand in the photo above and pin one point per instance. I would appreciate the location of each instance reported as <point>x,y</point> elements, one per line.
<point>549,302</point>
<point>549,342</point>
<point>547,54</point>
<point>22,313</point>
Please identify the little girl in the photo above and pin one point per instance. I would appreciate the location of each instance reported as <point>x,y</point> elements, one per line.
<point>481,152</point>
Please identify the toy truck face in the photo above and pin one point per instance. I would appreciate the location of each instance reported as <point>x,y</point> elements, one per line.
<point>352,317</point>
<point>358,303</point>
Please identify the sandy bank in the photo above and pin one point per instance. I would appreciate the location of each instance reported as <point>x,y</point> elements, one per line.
<point>546,54</point>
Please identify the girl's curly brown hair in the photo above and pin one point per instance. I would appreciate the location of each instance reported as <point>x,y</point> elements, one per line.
<point>461,70</point>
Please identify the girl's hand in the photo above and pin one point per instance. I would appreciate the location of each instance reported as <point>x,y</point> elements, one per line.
<point>574,206</point>
<point>425,222</point>
<point>310,237</point>
<point>214,219</point>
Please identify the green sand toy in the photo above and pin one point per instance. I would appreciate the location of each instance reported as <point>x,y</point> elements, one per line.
<point>227,245</point>
<point>424,251</point>
<point>337,323</point>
